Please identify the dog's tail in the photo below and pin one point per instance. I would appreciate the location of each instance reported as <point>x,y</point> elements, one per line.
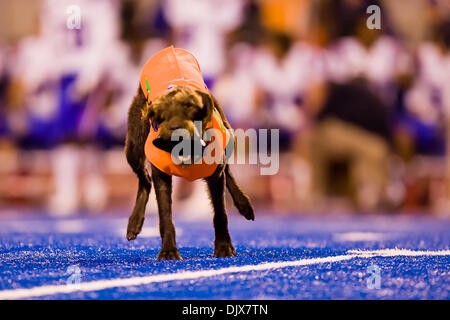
<point>240,199</point>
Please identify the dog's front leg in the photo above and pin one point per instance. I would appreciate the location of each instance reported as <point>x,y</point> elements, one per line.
<point>222,243</point>
<point>136,159</point>
<point>163,190</point>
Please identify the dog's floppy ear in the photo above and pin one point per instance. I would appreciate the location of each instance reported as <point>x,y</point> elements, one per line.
<point>208,106</point>
<point>147,109</point>
<point>147,112</point>
<point>139,107</point>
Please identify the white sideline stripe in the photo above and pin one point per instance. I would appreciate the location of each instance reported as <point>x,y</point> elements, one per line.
<point>137,281</point>
<point>397,252</point>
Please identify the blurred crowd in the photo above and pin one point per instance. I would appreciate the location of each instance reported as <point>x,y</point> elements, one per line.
<point>363,113</point>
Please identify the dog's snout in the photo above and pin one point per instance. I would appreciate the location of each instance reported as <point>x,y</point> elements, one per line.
<point>175,126</point>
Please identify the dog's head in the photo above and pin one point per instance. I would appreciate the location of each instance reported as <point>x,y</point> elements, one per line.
<point>178,108</point>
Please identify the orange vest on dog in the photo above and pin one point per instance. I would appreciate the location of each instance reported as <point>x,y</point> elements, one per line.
<point>167,68</point>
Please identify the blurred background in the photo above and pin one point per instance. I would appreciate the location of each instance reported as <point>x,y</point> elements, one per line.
<point>364,114</point>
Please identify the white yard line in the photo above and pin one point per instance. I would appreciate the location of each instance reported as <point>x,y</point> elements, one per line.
<point>189,275</point>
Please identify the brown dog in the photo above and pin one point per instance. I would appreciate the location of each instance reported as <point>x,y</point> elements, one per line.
<point>177,108</point>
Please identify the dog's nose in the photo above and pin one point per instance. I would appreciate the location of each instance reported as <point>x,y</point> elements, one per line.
<point>164,144</point>
<point>175,127</point>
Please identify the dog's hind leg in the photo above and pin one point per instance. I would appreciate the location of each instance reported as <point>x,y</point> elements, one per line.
<point>163,190</point>
<point>136,159</point>
<point>222,243</point>
<point>240,199</point>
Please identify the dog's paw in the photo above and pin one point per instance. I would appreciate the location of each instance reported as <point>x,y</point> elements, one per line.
<point>171,254</point>
<point>223,250</point>
<point>135,224</point>
<point>246,209</point>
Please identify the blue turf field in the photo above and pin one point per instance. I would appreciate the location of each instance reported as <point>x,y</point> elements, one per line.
<point>36,252</point>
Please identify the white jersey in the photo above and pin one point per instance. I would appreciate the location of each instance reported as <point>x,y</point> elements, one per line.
<point>285,80</point>
<point>430,94</point>
<point>91,53</point>
<point>236,90</point>
<point>300,68</point>
<point>434,65</point>
<point>201,26</point>
<point>380,64</point>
